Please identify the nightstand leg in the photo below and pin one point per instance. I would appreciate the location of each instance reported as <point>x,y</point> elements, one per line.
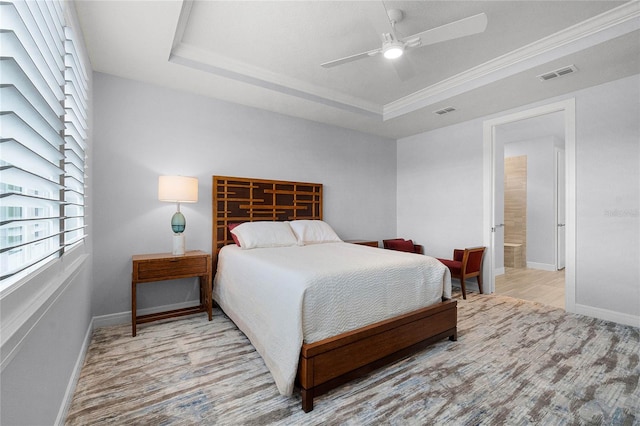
<point>205,285</point>
<point>133,309</point>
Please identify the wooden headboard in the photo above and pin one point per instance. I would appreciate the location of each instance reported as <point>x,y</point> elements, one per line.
<point>237,199</point>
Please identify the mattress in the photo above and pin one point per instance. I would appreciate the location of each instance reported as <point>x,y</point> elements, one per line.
<point>281,297</point>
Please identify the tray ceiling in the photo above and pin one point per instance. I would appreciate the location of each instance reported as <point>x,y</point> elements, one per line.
<point>267,54</point>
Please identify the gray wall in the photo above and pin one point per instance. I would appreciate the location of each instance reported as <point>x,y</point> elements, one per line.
<point>143,131</point>
<point>440,188</point>
<point>608,196</point>
<point>35,384</point>
<point>440,175</point>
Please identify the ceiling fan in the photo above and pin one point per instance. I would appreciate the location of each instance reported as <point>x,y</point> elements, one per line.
<point>393,46</point>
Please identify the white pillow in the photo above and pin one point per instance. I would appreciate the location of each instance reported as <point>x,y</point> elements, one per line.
<point>264,234</point>
<point>314,232</point>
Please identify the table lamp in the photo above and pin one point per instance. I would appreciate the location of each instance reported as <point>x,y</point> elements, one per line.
<point>178,189</point>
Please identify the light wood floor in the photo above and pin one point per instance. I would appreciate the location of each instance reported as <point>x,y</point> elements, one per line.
<point>532,284</point>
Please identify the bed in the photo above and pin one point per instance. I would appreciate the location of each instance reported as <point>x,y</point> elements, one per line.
<point>319,311</point>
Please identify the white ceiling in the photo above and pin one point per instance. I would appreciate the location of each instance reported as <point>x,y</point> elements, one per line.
<point>267,54</point>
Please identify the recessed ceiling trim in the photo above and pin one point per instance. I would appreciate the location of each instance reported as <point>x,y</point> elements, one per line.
<point>181,26</point>
<point>186,55</point>
<point>190,56</point>
<point>606,26</point>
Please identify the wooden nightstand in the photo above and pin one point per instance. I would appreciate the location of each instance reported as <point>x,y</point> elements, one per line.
<point>369,243</point>
<point>165,266</point>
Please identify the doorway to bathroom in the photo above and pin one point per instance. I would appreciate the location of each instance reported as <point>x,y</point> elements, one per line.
<point>528,249</point>
<point>532,209</point>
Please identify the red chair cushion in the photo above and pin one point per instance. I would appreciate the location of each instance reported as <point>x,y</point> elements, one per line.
<point>400,245</point>
<point>454,266</point>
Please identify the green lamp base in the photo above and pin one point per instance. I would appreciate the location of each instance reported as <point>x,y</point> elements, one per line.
<point>178,222</point>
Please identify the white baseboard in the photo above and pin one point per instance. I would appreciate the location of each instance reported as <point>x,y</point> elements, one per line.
<point>499,271</point>
<point>75,375</point>
<point>125,317</point>
<point>608,315</point>
<point>541,266</point>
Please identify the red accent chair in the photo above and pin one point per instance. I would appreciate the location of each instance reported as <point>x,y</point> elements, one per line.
<point>466,263</point>
<point>400,244</point>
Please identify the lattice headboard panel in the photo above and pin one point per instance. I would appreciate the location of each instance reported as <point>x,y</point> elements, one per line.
<point>238,199</point>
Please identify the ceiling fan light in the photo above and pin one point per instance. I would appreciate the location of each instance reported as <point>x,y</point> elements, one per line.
<point>393,50</point>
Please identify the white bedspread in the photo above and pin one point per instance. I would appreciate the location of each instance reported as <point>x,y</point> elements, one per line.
<point>281,296</point>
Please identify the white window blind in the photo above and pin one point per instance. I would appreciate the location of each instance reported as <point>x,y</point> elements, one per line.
<point>43,134</point>
<point>75,137</point>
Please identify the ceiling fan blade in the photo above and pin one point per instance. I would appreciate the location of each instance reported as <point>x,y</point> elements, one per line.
<point>351,58</point>
<point>467,26</point>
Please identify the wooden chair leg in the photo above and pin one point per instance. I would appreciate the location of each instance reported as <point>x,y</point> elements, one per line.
<point>479,283</point>
<point>462,286</point>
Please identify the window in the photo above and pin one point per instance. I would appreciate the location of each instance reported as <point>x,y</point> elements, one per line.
<point>43,122</point>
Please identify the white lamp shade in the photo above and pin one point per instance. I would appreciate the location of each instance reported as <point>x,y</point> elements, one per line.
<point>180,189</point>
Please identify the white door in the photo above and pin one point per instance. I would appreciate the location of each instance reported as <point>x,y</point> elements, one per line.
<point>560,206</point>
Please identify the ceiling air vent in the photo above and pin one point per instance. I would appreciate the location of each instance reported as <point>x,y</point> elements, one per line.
<point>558,73</point>
<point>444,111</point>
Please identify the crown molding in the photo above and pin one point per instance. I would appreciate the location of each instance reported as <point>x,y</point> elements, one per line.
<point>191,56</point>
<point>606,26</point>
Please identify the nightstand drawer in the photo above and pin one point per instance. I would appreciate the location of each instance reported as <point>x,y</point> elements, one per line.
<point>175,267</point>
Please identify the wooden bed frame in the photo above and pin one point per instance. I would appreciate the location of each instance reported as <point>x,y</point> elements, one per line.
<point>331,362</point>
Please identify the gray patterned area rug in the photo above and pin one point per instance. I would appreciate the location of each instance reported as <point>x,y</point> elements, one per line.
<point>515,362</point>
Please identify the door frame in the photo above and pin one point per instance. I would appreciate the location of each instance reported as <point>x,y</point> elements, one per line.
<point>567,106</point>
<point>559,165</point>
